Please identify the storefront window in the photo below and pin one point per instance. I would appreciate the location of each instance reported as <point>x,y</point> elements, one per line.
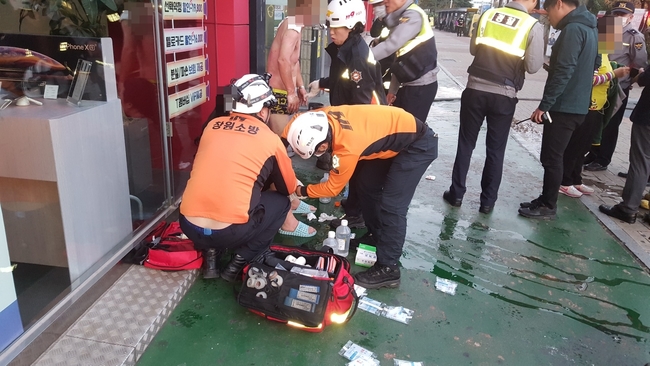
<point>76,180</point>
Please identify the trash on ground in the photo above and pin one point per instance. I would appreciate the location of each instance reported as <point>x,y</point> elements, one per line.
<point>446,286</point>
<point>406,363</point>
<point>310,216</point>
<point>397,313</point>
<point>364,361</point>
<point>430,177</point>
<point>353,351</point>
<point>366,255</point>
<point>325,217</point>
<point>361,291</point>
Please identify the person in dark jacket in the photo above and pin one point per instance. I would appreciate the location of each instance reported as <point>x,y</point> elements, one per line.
<point>355,78</point>
<point>639,159</point>
<point>567,96</point>
<point>355,75</point>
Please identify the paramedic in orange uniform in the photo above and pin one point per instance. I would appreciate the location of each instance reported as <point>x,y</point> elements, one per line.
<point>388,150</point>
<point>227,203</point>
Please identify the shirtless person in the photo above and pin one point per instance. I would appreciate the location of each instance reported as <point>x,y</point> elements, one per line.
<point>284,60</point>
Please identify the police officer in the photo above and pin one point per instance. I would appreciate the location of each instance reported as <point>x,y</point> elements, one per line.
<point>507,43</point>
<point>227,203</point>
<point>380,32</point>
<point>635,56</point>
<point>389,150</point>
<point>415,68</point>
<point>355,75</point>
<point>354,78</point>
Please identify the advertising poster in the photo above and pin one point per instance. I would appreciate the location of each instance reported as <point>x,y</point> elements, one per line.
<point>29,62</point>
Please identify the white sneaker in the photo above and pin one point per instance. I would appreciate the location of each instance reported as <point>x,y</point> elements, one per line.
<point>584,189</point>
<point>290,151</point>
<point>570,191</point>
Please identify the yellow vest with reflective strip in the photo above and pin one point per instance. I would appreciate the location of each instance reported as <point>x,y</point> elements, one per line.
<point>599,92</point>
<point>425,34</point>
<point>505,29</point>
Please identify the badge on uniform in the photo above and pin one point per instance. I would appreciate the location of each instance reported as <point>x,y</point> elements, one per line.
<point>356,76</point>
<point>638,46</point>
<point>403,19</point>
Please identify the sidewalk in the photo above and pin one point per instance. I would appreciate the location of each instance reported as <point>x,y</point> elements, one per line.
<point>455,58</point>
<point>529,292</point>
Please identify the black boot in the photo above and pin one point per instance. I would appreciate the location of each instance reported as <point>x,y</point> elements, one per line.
<point>378,276</point>
<point>210,263</point>
<point>233,269</point>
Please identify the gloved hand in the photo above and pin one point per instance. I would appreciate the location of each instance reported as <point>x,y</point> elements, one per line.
<point>314,89</point>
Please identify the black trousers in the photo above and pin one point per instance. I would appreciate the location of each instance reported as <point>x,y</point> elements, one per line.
<point>578,146</point>
<point>417,100</point>
<point>248,239</point>
<point>555,139</point>
<point>385,189</point>
<point>610,135</point>
<point>475,106</point>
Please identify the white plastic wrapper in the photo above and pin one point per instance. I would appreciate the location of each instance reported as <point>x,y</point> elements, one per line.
<point>325,217</point>
<point>353,351</point>
<point>372,306</point>
<point>446,286</point>
<point>310,216</point>
<point>406,363</point>
<point>360,290</point>
<point>364,361</point>
<point>399,313</point>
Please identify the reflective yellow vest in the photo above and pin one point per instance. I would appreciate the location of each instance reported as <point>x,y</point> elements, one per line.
<point>505,29</point>
<point>599,92</point>
<point>425,34</point>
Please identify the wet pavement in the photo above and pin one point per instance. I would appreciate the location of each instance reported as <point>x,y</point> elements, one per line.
<point>560,292</point>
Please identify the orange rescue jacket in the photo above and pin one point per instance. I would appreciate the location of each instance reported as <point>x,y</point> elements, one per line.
<point>363,132</point>
<point>238,157</point>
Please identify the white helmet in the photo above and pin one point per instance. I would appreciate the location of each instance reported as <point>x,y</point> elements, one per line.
<point>251,93</point>
<point>346,13</point>
<point>308,131</point>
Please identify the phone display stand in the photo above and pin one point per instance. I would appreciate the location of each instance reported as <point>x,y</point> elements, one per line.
<point>81,73</point>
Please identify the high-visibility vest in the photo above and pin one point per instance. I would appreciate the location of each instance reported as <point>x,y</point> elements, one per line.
<point>599,92</point>
<point>505,29</point>
<point>501,41</point>
<point>425,33</point>
<point>417,56</point>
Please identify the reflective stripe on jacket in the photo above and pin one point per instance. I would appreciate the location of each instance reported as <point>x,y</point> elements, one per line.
<point>505,29</point>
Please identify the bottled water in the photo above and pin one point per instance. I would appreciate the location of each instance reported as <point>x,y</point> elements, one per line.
<point>331,241</point>
<point>326,177</point>
<point>343,237</point>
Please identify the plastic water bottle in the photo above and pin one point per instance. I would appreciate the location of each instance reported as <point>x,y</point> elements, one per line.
<point>326,177</point>
<point>331,241</point>
<point>343,238</point>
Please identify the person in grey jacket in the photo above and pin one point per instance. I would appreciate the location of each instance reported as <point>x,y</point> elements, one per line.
<point>639,158</point>
<point>502,56</point>
<point>415,67</point>
<point>567,96</point>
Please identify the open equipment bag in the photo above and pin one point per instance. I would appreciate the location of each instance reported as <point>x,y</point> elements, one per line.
<point>309,298</point>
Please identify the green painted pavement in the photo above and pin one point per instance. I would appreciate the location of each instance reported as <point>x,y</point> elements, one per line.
<point>561,292</point>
